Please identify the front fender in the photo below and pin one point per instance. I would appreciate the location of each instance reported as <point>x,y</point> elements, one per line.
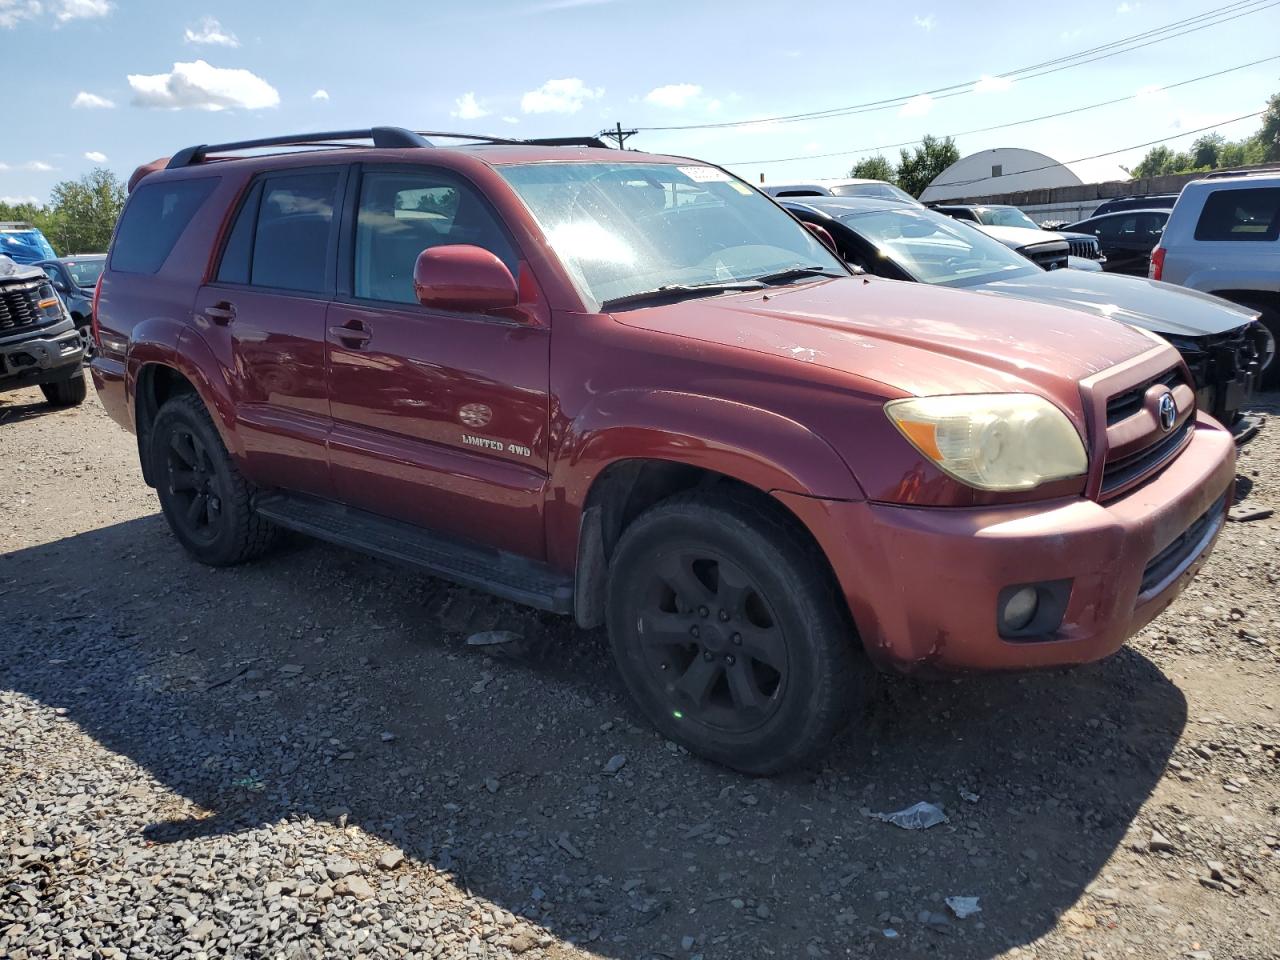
<point>757,447</point>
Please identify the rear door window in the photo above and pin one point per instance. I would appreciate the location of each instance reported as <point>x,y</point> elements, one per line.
<point>1241,215</point>
<point>154,220</point>
<point>291,241</point>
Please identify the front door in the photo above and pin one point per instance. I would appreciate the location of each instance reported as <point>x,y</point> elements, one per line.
<point>439,418</point>
<point>264,315</point>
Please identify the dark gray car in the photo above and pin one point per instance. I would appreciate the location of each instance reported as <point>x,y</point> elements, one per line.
<point>1218,339</point>
<point>74,279</point>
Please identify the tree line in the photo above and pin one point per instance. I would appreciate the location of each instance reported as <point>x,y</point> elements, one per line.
<point>80,214</point>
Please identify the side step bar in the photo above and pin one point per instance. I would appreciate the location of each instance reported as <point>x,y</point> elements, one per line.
<point>502,574</point>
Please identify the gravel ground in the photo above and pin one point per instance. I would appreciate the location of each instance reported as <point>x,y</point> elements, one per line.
<point>303,757</point>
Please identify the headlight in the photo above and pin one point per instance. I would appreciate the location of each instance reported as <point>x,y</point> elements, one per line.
<point>992,441</point>
<point>48,302</point>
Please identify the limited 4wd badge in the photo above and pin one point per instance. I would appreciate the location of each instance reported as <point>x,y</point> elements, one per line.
<point>496,445</point>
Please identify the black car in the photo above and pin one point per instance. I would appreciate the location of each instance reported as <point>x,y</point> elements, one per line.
<point>1127,238</point>
<point>1219,340</point>
<point>74,279</point>
<point>1005,215</point>
<point>1156,201</point>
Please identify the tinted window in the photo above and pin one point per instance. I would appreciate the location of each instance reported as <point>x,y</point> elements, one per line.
<point>291,242</point>
<point>1150,226</point>
<point>238,254</point>
<point>85,272</point>
<point>402,214</point>
<point>154,220</point>
<point>1241,215</point>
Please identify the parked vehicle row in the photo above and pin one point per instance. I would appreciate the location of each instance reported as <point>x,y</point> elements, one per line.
<point>632,389</point>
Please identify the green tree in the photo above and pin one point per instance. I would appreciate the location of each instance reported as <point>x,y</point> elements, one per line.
<point>1269,136</point>
<point>1160,161</point>
<point>916,170</point>
<point>873,168</point>
<point>84,212</point>
<point>1206,152</point>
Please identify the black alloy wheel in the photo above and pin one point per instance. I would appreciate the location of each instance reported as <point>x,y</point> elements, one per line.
<point>194,486</point>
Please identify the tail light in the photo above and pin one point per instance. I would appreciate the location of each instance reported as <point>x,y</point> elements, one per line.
<point>1156,270</point>
<point>93,313</point>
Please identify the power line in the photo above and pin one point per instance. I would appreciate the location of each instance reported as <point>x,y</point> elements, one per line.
<point>1109,153</point>
<point>1169,31</point>
<point>1012,123</point>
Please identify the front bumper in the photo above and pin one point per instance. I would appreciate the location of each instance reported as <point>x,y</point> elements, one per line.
<point>40,356</point>
<point>922,583</point>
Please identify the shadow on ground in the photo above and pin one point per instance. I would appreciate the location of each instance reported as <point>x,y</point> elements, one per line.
<point>155,648</point>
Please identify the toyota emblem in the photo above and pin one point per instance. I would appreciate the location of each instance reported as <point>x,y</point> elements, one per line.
<point>1168,412</point>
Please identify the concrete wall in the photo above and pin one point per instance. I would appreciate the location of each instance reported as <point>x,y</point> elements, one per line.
<point>1077,203</point>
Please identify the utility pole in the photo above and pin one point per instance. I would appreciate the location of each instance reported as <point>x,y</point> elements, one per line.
<point>618,135</point>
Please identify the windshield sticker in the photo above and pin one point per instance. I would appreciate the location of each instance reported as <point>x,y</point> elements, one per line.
<point>705,175</point>
<point>742,188</point>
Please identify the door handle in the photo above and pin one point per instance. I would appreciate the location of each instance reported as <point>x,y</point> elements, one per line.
<point>352,334</point>
<point>221,313</point>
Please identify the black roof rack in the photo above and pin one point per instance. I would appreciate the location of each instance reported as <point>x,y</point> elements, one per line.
<point>1269,170</point>
<point>388,137</point>
<point>382,137</point>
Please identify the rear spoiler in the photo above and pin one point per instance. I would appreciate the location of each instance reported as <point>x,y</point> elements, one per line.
<point>145,169</point>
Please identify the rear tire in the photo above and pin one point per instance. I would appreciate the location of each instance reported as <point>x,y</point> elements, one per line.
<point>726,627</point>
<point>1269,318</point>
<point>66,393</point>
<point>203,496</point>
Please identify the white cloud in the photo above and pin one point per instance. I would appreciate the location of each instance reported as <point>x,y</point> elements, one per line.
<point>18,201</point>
<point>37,165</point>
<point>321,94</point>
<point>992,84</point>
<point>200,86</point>
<point>209,31</point>
<point>467,107</point>
<point>3,166</point>
<point>510,119</point>
<point>674,96</point>
<point>559,96</point>
<point>96,156</point>
<point>84,100</point>
<point>1128,8</point>
<point>566,5</point>
<point>12,12</point>
<point>66,10</point>
<point>927,22</point>
<point>917,106</point>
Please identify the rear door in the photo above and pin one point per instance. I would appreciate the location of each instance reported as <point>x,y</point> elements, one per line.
<point>264,313</point>
<point>440,417</point>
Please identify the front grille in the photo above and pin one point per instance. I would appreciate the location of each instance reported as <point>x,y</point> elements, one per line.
<point>1086,247</point>
<point>1124,471</point>
<point>1126,404</point>
<point>1050,256</point>
<point>19,307</point>
<point>1177,556</point>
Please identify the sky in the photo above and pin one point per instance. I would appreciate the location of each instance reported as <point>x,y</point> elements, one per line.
<point>118,83</point>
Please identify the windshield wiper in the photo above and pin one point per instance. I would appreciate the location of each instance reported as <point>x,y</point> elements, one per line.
<point>678,290</point>
<point>796,273</point>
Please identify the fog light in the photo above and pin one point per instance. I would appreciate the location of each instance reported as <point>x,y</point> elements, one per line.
<point>1020,608</point>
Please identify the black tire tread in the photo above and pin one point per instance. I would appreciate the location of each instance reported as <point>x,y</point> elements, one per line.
<point>255,534</point>
<point>842,678</point>
<point>70,392</point>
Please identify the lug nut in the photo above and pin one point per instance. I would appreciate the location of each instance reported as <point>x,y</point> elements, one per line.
<point>708,656</point>
<point>703,611</point>
<point>737,639</point>
<point>724,615</point>
<point>730,660</point>
<point>695,632</point>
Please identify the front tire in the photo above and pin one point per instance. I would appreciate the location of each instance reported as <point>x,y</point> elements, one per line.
<point>725,624</point>
<point>202,494</point>
<point>66,393</point>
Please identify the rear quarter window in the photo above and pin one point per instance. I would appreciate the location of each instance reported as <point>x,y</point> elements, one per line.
<point>1241,215</point>
<point>153,221</point>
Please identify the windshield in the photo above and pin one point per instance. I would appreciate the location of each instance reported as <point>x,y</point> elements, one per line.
<point>85,272</point>
<point>885,191</point>
<point>25,246</point>
<point>628,228</point>
<point>1005,217</point>
<point>933,248</point>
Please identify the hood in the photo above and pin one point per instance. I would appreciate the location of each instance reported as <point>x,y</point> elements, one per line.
<point>1017,237</point>
<point>913,338</point>
<point>10,269</point>
<point>1159,307</point>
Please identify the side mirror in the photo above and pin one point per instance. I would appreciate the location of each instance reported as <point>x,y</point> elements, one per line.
<point>823,234</point>
<point>464,278</point>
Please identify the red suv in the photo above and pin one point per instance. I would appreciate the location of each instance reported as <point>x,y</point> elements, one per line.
<point>632,389</point>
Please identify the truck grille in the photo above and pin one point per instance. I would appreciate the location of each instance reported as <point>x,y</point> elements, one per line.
<point>1177,556</point>
<point>1086,247</point>
<point>1050,256</point>
<point>19,307</point>
<point>1138,446</point>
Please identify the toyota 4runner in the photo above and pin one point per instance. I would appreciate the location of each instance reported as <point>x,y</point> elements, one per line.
<point>630,388</point>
